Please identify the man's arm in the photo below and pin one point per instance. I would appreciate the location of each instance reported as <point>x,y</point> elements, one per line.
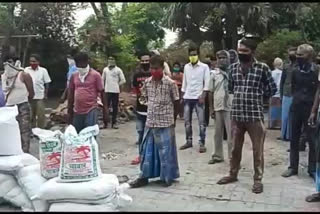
<point>211,96</point>
<point>122,77</point>
<point>71,99</point>
<point>282,81</point>
<point>175,99</point>
<point>269,82</point>
<point>47,80</point>
<point>27,79</point>
<point>100,88</point>
<point>46,90</point>
<point>206,84</point>
<point>314,110</point>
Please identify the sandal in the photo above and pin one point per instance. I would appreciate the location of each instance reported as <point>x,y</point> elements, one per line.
<point>227,180</point>
<point>313,198</point>
<point>215,160</point>
<point>257,188</point>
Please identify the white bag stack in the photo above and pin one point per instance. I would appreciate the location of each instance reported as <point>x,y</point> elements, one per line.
<point>80,155</point>
<point>30,179</point>
<point>50,151</point>
<point>75,207</point>
<point>10,143</point>
<point>11,192</point>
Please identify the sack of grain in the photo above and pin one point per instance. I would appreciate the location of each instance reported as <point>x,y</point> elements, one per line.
<point>80,155</point>
<point>50,151</point>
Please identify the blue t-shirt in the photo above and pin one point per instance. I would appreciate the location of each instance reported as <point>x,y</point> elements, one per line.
<point>2,99</point>
<point>72,69</point>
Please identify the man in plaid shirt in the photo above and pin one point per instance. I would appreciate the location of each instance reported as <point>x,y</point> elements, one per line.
<point>249,81</point>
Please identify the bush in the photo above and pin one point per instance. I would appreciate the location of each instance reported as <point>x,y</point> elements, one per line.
<point>277,44</point>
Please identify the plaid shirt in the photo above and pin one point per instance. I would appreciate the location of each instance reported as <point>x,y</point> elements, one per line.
<point>248,90</point>
<point>160,101</point>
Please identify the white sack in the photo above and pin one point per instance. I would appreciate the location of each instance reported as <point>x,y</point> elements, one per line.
<point>105,189</point>
<point>49,151</point>
<point>10,143</point>
<point>30,179</point>
<point>76,207</point>
<point>80,155</point>
<point>11,192</point>
<point>9,164</point>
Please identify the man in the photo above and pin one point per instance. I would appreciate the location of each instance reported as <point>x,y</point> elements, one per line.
<point>113,78</point>
<point>138,81</point>
<point>249,80</point>
<point>71,69</point>
<point>18,88</point>
<point>41,80</point>
<point>159,153</point>
<point>177,76</point>
<point>220,106</point>
<point>305,80</point>
<point>275,101</point>
<point>233,56</point>
<point>286,95</point>
<point>166,66</point>
<point>84,89</point>
<point>195,85</point>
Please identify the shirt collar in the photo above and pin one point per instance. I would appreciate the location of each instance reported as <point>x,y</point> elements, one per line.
<point>197,64</point>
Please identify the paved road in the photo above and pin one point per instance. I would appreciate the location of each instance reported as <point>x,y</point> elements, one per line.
<point>196,190</point>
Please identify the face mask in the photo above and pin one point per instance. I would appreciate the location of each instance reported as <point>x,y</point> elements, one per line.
<point>83,71</point>
<point>10,71</point>
<point>244,58</point>
<point>292,58</point>
<point>223,66</point>
<point>193,59</point>
<point>34,66</point>
<point>145,66</point>
<point>157,74</point>
<point>301,62</point>
<point>176,69</point>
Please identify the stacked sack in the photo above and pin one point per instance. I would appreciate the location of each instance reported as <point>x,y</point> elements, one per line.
<point>77,182</point>
<point>20,177</point>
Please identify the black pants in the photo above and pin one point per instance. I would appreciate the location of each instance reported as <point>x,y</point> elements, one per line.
<point>300,115</point>
<point>206,111</point>
<point>113,99</point>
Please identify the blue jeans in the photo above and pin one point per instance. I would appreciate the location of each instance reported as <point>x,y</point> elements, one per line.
<point>189,105</point>
<point>81,121</point>
<point>140,126</point>
<point>285,120</point>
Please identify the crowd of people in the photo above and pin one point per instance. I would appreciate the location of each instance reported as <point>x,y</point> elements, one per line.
<point>230,87</point>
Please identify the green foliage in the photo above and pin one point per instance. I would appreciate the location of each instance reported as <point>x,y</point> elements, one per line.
<point>277,45</point>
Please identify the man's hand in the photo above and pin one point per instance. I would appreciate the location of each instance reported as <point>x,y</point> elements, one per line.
<point>311,120</point>
<point>181,101</point>
<point>69,118</point>
<point>201,100</point>
<point>45,97</point>
<point>213,115</point>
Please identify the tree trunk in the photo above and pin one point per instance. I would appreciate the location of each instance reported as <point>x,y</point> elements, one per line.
<point>26,52</point>
<point>96,10</point>
<point>231,27</point>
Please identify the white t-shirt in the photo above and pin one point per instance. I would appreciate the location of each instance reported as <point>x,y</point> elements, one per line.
<point>112,79</point>
<point>196,79</point>
<point>39,77</point>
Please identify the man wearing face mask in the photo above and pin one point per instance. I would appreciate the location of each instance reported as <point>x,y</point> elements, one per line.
<point>177,76</point>
<point>18,88</point>
<point>113,78</point>
<point>41,80</point>
<point>166,70</point>
<point>286,95</point>
<point>159,152</point>
<point>220,106</point>
<point>84,89</point>
<point>195,85</point>
<point>137,83</point>
<point>233,56</point>
<point>305,80</point>
<point>249,81</point>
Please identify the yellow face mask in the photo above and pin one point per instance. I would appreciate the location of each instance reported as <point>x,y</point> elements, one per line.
<point>193,59</point>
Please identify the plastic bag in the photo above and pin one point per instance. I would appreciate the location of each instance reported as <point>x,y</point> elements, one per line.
<point>50,151</point>
<point>10,164</point>
<point>10,143</point>
<point>80,155</point>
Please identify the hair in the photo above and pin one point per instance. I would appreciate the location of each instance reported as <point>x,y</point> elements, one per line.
<point>194,47</point>
<point>157,60</point>
<point>144,54</point>
<point>249,43</point>
<point>306,48</point>
<point>81,57</point>
<point>177,63</point>
<point>292,49</point>
<point>73,52</point>
<point>36,56</point>
<point>278,63</point>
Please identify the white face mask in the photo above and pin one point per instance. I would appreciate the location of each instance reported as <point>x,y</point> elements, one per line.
<point>83,71</point>
<point>10,71</point>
